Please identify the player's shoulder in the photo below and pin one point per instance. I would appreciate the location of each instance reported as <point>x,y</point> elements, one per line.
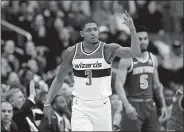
<point>154,58</point>
<point>111,46</point>
<point>69,53</point>
<point>71,49</point>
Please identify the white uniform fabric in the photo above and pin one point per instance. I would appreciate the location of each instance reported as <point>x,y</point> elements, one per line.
<point>91,115</point>
<point>100,86</point>
<point>91,110</point>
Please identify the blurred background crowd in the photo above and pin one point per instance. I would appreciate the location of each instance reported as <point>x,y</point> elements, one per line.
<point>54,26</point>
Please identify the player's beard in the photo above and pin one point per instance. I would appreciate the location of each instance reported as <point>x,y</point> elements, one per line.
<point>144,48</point>
<point>94,43</point>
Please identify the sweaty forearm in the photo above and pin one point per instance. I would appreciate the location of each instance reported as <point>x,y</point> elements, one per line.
<point>135,44</point>
<point>122,95</point>
<point>55,87</point>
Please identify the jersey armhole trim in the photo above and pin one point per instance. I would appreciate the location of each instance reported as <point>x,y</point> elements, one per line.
<point>131,67</point>
<point>75,51</point>
<point>153,59</point>
<point>103,53</point>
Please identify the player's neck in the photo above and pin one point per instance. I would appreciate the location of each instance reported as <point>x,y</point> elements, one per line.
<point>143,55</point>
<point>89,47</point>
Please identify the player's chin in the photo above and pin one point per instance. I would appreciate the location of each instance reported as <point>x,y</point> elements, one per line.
<point>94,42</point>
<point>144,50</point>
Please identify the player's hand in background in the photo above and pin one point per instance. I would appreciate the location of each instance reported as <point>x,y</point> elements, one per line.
<point>131,112</point>
<point>128,21</point>
<point>163,115</point>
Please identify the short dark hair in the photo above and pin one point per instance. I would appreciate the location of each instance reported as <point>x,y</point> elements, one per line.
<point>54,101</point>
<point>86,22</point>
<point>141,28</point>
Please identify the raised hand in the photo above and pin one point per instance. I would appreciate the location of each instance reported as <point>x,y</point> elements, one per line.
<point>128,21</point>
<point>32,89</point>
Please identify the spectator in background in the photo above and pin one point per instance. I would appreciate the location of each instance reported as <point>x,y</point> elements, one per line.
<point>42,61</point>
<point>4,88</point>
<point>60,120</point>
<point>123,39</point>
<point>154,18</point>
<point>9,53</point>
<point>150,16</point>
<point>102,11</point>
<point>30,51</point>
<point>104,33</point>
<point>5,69</point>
<point>23,16</point>
<point>54,43</point>
<point>7,125</point>
<point>26,75</point>
<point>176,12</point>
<point>33,65</point>
<point>66,7</point>
<point>172,64</point>
<point>22,108</point>
<point>14,80</point>
<point>167,18</point>
<point>10,11</point>
<point>39,30</point>
<point>83,6</point>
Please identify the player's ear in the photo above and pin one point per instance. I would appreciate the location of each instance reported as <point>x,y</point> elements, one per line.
<point>81,34</point>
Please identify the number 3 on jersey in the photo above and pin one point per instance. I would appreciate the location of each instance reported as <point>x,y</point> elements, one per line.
<point>89,76</point>
<point>144,81</point>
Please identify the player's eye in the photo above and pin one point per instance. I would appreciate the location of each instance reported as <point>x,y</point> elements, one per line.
<point>88,30</point>
<point>145,38</point>
<point>95,29</point>
<point>140,39</point>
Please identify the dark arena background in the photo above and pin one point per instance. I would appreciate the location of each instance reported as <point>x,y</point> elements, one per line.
<point>35,34</point>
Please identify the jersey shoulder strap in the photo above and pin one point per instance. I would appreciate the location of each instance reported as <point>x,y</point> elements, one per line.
<point>76,50</point>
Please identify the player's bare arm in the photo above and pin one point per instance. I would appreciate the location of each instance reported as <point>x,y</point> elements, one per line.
<point>121,74</point>
<point>114,49</point>
<point>158,91</point>
<point>64,69</point>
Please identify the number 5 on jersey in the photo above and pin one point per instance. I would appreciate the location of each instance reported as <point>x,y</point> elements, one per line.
<point>89,76</point>
<point>144,81</point>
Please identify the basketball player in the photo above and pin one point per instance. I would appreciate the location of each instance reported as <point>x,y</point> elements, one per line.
<point>90,61</point>
<point>175,123</point>
<point>141,84</point>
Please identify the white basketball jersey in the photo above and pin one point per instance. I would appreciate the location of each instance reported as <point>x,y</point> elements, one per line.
<point>92,74</point>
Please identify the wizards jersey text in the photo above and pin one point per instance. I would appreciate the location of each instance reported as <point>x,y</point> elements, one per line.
<point>139,80</point>
<point>92,74</point>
